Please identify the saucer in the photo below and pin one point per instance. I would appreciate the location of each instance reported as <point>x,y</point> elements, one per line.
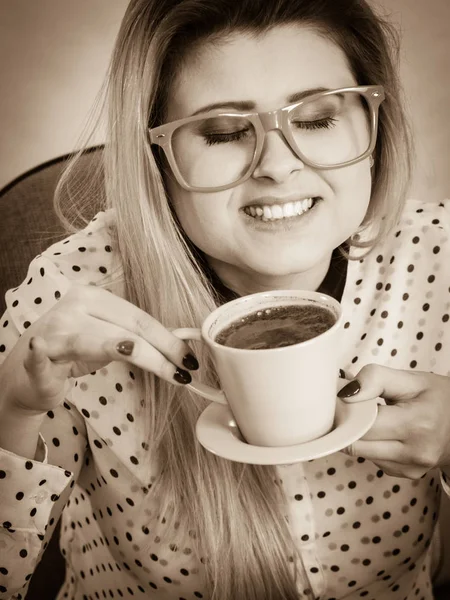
<point>217,431</point>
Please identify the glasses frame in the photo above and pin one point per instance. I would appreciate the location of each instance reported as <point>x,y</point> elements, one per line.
<point>263,122</point>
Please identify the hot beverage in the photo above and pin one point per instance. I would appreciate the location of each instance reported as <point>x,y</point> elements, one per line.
<point>277,326</point>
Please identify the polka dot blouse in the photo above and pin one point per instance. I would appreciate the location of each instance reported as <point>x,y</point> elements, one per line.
<point>361,532</point>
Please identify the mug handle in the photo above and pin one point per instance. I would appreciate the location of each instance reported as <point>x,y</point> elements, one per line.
<point>204,390</point>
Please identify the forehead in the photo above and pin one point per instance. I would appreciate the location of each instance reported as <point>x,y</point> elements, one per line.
<point>264,70</point>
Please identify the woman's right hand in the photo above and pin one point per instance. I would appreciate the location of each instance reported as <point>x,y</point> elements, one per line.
<point>80,334</point>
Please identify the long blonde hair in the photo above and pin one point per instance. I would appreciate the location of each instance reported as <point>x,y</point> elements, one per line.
<point>235,514</point>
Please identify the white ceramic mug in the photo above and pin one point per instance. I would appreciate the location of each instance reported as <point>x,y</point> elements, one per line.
<point>278,396</point>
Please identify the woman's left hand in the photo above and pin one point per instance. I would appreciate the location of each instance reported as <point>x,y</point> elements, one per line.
<point>411,433</point>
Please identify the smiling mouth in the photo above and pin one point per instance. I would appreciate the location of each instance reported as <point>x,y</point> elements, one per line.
<point>278,212</point>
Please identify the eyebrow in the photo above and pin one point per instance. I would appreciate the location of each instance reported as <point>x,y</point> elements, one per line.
<point>245,105</point>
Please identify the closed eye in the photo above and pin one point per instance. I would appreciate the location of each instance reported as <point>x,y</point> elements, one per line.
<point>221,138</point>
<point>327,123</point>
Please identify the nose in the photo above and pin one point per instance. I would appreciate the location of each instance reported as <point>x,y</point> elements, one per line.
<point>277,161</point>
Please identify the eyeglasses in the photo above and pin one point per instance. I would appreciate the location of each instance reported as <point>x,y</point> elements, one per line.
<point>220,149</point>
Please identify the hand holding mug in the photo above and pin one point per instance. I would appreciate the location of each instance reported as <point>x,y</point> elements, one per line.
<point>411,434</point>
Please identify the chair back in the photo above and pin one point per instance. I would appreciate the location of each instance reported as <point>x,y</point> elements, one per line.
<point>28,223</point>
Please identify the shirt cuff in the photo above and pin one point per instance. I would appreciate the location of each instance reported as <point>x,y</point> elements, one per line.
<point>445,480</point>
<point>29,490</point>
<point>41,451</point>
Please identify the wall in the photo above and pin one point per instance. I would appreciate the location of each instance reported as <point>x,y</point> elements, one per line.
<point>425,69</point>
<point>53,57</point>
<point>54,53</point>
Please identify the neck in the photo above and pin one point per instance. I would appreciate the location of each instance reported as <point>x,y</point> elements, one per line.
<point>328,279</point>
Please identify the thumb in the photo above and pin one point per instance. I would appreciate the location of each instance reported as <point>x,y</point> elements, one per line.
<point>394,385</point>
<point>36,360</point>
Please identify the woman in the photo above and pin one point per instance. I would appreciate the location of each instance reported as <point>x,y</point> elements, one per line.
<point>148,512</point>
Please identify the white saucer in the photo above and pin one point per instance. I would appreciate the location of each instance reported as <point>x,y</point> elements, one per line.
<point>217,431</point>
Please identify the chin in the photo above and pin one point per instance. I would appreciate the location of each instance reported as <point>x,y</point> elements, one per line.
<point>281,269</point>
<point>287,266</point>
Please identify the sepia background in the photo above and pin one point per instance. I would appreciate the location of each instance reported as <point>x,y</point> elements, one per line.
<point>54,54</point>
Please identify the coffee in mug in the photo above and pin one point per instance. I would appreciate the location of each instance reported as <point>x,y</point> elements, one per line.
<point>277,327</point>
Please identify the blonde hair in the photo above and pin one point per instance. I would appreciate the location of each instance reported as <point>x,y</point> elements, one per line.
<point>235,515</point>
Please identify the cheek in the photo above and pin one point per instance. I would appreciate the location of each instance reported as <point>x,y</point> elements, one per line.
<point>187,210</point>
<point>354,190</point>
<point>201,216</point>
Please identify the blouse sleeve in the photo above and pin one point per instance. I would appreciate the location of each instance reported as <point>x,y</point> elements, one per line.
<point>442,220</point>
<point>435,245</point>
<point>33,493</point>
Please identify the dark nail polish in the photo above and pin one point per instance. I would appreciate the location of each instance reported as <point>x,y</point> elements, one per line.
<point>351,389</point>
<point>125,348</point>
<point>31,343</point>
<point>342,374</point>
<point>182,376</point>
<point>190,362</point>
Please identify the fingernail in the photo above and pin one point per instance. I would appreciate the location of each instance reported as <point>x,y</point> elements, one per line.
<point>190,362</point>
<point>182,376</point>
<point>351,389</point>
<point>342,374</point>
<point>31,343</point>
<point>125,348</point>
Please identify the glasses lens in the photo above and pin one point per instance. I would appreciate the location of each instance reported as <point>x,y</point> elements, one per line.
<point>215,151</point>
<point>332,129</point>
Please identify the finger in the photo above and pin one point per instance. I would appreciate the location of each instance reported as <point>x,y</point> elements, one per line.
<point>40,369</point>
<point>394,469</point>
<point>392,423</point>
<point>405,471</point>
<point>118,311</point>
<point>404,453</point>
<point>385,450</point>
<point>392,384</point>
<point>101,344</point>
<point>37,363</point>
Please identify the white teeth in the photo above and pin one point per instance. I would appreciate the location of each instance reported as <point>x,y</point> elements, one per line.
<point>277,211</point>
<point>288,210</point>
